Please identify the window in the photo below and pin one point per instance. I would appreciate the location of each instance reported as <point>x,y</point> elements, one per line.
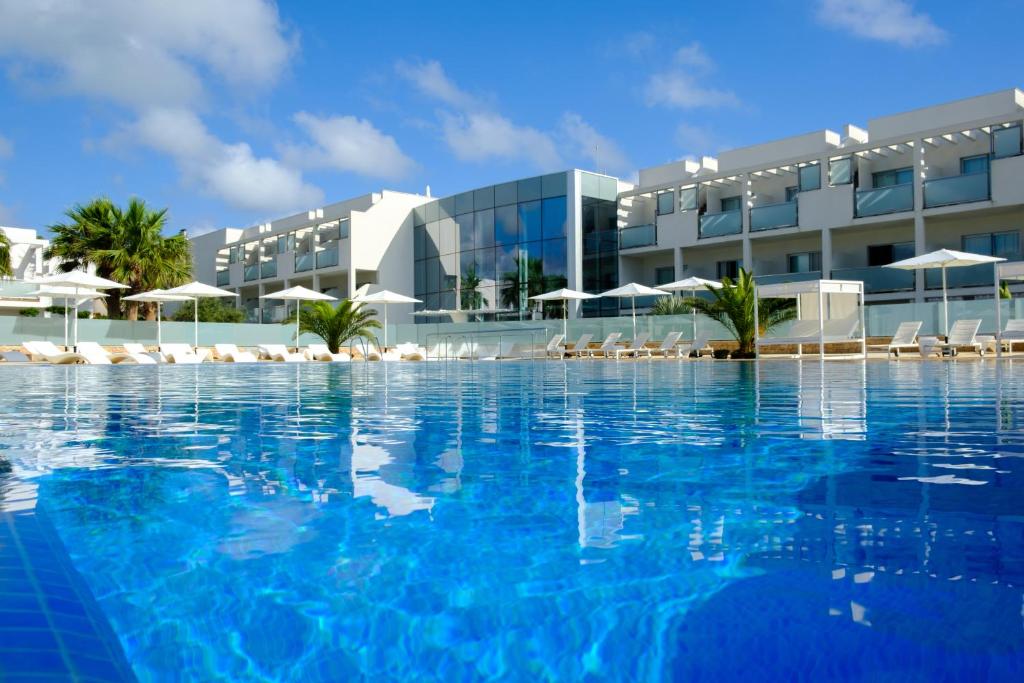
<point>729,269</point>
<point>840,171</point>
<point>884,254</point>
<point>730,204</point>
<point>791,192</point>
<point>506,225</point>
<point>1004,244</point>
<point>553,217</point>
<point>974,164</point>
<point>483,228</point>
<point>1006,142</point>
<point>529,220</point>
<point>233,255</point>
<point>805,262</point>
<point>664,275</point>
<point>463,203</point>
<point>665,202</point>
<point>464,226</point>
<point>896,176</point>
<point>810,177</point>
<point>688,199</point>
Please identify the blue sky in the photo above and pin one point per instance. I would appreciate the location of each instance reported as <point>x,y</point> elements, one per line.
<point>231,113</point>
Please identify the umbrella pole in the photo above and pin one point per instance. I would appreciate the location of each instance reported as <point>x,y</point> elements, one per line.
<point>75,323</point>
<point>945,304</point>
<point>693,295</point>
<point>385,326</point>
<point>565,320</point>
<point>195,322</point>
<point>632,300</point>
<point>65,323</point>
<point>158,340</point>
<point>298,314</point>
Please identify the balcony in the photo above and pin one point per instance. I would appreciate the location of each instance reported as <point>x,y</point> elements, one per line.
<point>965,276</point>
<point>787,277</point>
<point>718,224</point>
<point>252,272</point>
<point>958,189</point>
<point>638,236</point>
<point>328,258</point>
<point>882,200</point>
<point>772,216</point>
<point>878,279</point>
<point>268,268</point>
<point>223,278</point>
<point>304,262</point>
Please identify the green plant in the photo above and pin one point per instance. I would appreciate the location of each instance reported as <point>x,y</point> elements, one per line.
<point>335,324</point>
<point>1004,291</point>
<point>471,298</point>
<point>59,310</point>
<point>211,310</point>
<point>733,307</point>
<point>84,315</point>
<point>6,269</point>
<point>670,305</point>
<point>29,312</point>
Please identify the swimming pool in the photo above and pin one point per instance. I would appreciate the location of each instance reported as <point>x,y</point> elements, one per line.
<point>532,520</point>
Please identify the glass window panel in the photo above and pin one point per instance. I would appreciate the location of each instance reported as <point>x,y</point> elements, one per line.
<point>810,177</point>
<point>896,176</point>
<point>554,217</point>
<point>977,244</point>
<point>483,198</point>
<point>529,221</point>
<point>688,199</point>
<point>974,164</point>
<point>553,185</point>
<point>446,300</point>
<point>1006,142</point>
<point>419,215</point>
<point>791,192</point>
<point>730,204</point>
<point>555,260</point>
<point>432,212</point>
<point>506,193</point>
<point>419,241</point>
<point>233,255</point>
<point>465,230</point>
<point>449,243</point>
<point>609,189</point>
<point>591,185</point>
<point>664,275</point>
<point>467,262</point>
<point>446,207</point>
<point>432,245</point>
<point>488,296</point>
<point>485,265</point>
<point>433,271</point>
<point>840,171</point>
<point>506,225</point>
<point>666,201</point>
<point>902,250</point>
<point>449,271</point>
<point>529,189</point>
<point>420,278</point>
<point>463,203</point>
<point>483,228</point>
<point>1006,244</point>
<point>432,302</point>
<point>505,261</point>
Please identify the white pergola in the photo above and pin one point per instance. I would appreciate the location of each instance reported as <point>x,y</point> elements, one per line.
<point>822,290</point>
<point>1012,270</point>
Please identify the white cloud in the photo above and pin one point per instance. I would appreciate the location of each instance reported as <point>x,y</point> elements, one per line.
<point>430,79</point>
<point>347,143</point>
<point>693,55</point>
<point>636,45</point>
<point>7,216</point>
<point>601,151</point>
<point>6,148</point>
<point>142,53</point>
<point>891,21</point>
<point>681,90</point>
<point>231,172</point>
<point>696,141</point>
<point>481,136</point>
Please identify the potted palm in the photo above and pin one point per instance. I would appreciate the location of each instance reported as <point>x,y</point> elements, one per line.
<point>733,307</point>
<point>336,324</point>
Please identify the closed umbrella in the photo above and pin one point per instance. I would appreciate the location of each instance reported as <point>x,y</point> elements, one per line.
<point>68,293</point>
<point>196,291</point>
<point>81,282</point>
<point>691,285</point>
<point>298,294</point>
<point>632,291</point>
<point>385,297</point>
<point>158,297</point>
<point>944,258</point>
<point>565,296</point>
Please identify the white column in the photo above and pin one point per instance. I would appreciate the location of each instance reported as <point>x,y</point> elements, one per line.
<point>574,239</point>
<point>920,245</point>
<point>677,262</point>
<point>826,254</point>
<point>748,254</point>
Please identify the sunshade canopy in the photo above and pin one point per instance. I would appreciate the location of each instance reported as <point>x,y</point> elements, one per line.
<point>564,295</point>
<point>689,284</point>
<point>944,258</point>
<point>157,296</point>
<point>790,289</point>
<point>198,289</point>
<point>633,289</point>
<point>79,278</point>
<point>79,294</point>
<point>385,296</point>
<point>299,294</point>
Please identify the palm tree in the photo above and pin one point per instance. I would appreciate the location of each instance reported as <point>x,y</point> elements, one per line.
<point>471,298</point>
<point>670,305</point>
<point>335,324</point>
<point>6,269</point>
<point>733,307</point>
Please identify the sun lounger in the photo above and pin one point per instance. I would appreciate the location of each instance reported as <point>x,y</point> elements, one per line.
<point>606,347</point>
<point>1013,333</point>
<point>581,346</point>
<point>182,354</point>
<point>320,352</point>
<point>555,347</point>
<point>136,348</point>
<point>230,353</point>
<point>669,345</point>
<point>410,351</point>
<point>905,338</point>
<point>807,332</point>
<point>963,333</point>
<point>280,353</point>
<point>44,350</point>
<point>92,349</point>
<point>634,348</point>
<point>699,345</point>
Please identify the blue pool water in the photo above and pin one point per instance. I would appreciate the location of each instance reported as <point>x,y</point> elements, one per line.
<point>527,521</point>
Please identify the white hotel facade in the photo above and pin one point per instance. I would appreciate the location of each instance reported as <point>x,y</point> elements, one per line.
<point>822,205</point>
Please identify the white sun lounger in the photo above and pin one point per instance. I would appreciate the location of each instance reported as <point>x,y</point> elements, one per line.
<point>1013,333</point>
<point>807,332</point>
<point>700,344</point>
<point>93,349</point>
<point>636,347</point>
<point>555,347</point>
<point>669,345</point>
<point>410,351</point>
<point>606,347</point>
<point>581,347</point>
<point>905,337</point>
<point>963,333</point>
<point>280,353</point>
<point>44,350</point>
<point>182,354</point>
<point>230,353</point>
<point>322,353</point>
<point>135,347</point>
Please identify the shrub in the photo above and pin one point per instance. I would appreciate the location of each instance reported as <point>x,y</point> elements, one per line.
<point>29,312</point>
<point>84,315</point>
<point>210,311</point>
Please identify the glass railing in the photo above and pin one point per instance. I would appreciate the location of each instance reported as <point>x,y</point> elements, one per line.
<point>718,224</point>
<point>252,272</point>
<point>638,236</point>
<point>304,262</point>
<point>878,279</point>
<point>957,189</point>
<point>326,259</point>
<point>223,278</point>
<point>882,200</point>
<point>966,276</point>
<point>252,315</point>
<point>772,216</point>
<point>273,314</point>
<point>787,277</point>
<point>269,268</point>
<point>641,302</point>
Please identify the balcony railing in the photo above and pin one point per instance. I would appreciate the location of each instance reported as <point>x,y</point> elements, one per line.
<point>718,224</point>
<point>304,262</point>
<point>269,268</point>
<point>328,258</point>
<point>958,189</point>
<point>252,272</point>
<point>638,236</point>
<point>223,278</point>
<point>878,279</point>
<point>252,315</point>
<point>273,314</point>
<point>966,276</point>
<point>883,200</point>
<point>788,277</point>
<point>772,216</point>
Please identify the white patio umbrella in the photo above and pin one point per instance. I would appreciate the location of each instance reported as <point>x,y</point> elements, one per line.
<point>75,294</point>
<point>158,297</point>
<point>944,258</point>
<point>196,291</point>
<point>299,294</point>
<point>565,296</point>
<point>632,291</point>
<point>691,285</point>
<point>385,297</point>
<point>81,282</point>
